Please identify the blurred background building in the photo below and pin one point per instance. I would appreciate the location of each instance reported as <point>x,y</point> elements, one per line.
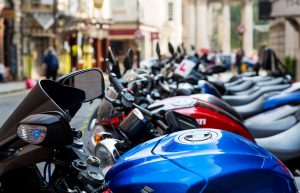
<point>81,30</point>
<point>285,32</point>
<point>139,24</point>
<point>77,29</point>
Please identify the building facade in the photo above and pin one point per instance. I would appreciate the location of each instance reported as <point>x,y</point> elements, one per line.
<point>285,30</point>
<point>9,39</point>
<point>199,18</point>
<point>139,24</point>
<point>79,36</point>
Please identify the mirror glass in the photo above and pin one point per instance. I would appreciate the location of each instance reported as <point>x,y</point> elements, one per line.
<point>91,82</point>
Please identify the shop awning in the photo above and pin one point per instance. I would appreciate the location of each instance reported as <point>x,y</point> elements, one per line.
<point>122,33</point>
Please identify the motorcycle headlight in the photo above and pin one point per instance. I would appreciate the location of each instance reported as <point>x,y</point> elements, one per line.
<point>49,129</point>
<point>33,134</point>
<point>107,152</point>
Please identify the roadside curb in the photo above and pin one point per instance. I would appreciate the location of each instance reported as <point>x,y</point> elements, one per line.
<point>12,91</point>
<point>12,87</point>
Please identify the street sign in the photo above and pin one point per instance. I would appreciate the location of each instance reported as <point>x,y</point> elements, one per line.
<point>241,29</point>
<point>154,36</point>
<point>138,34</point>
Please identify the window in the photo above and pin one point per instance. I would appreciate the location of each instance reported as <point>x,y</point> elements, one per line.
<point>170,11</point>
<point>118,4</point>
<point>35,3</point>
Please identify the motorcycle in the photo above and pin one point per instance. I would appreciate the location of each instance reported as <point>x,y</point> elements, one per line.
<point>39,130</point>
<point>140,169</point>
<point>40,152</point>
<point>208,110</point>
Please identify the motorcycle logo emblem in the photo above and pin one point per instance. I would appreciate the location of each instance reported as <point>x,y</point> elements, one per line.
<point>147,189</point>
<point>201,121</point>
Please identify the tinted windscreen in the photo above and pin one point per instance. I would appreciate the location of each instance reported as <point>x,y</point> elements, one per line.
<point>46,96</point>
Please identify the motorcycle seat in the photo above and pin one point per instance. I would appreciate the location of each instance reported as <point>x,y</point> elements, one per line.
<point>233,83</point>
<point>240,87</point>
<point>270,82</point>
<point>258,78</point>
<point>237,100</point>
<point>250,109</point>
<point>248,91</point>
<point>267,129</point>
<point>285,145</point>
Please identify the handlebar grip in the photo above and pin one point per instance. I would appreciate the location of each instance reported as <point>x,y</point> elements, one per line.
<point>116,83</point>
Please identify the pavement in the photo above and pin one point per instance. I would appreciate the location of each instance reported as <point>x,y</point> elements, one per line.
<point>9,101</point>
<point>17,86</point>
<point>10,87</point>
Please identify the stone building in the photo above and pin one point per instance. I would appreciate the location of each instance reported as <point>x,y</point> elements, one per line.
<point>198,20</point>
<point>139,24</point>
<point>285,30</point>
<point>76,28</point>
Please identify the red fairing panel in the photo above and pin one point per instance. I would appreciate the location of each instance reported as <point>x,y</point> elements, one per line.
<point>210,119</point>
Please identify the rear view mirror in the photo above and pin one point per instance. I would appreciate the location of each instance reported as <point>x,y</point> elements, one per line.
<point>193,47</point>
<point>90,81</point>
<point>171,48</point>
<point>128,60</point>
<point>158,50</point>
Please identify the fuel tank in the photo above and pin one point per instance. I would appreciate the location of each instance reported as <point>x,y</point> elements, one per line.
<point>199,160</point>
<point>208,110</point>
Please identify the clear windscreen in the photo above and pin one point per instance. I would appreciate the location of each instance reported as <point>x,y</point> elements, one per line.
<point>105,111</point>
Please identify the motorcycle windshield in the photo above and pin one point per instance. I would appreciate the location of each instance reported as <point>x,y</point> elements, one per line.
<point>105,111</point>
<point>46,96</point>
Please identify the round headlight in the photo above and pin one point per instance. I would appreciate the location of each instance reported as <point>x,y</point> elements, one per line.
<point>33,134</point>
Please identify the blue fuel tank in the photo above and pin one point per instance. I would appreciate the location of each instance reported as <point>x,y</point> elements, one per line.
<point>199,160</point>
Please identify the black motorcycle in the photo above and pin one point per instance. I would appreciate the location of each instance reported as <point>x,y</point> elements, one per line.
<point>39,151</point>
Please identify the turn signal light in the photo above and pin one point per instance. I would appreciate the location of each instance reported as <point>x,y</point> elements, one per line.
<point>98,138</point>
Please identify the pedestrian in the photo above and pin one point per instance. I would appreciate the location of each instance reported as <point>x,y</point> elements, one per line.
<point>51,63</point>
<point>238,60</point>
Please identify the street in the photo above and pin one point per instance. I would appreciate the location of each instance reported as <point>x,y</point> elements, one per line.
<point>8,102</point>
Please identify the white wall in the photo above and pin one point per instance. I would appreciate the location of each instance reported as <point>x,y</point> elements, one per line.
<point>153,16</point>
<point>124,10</point>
